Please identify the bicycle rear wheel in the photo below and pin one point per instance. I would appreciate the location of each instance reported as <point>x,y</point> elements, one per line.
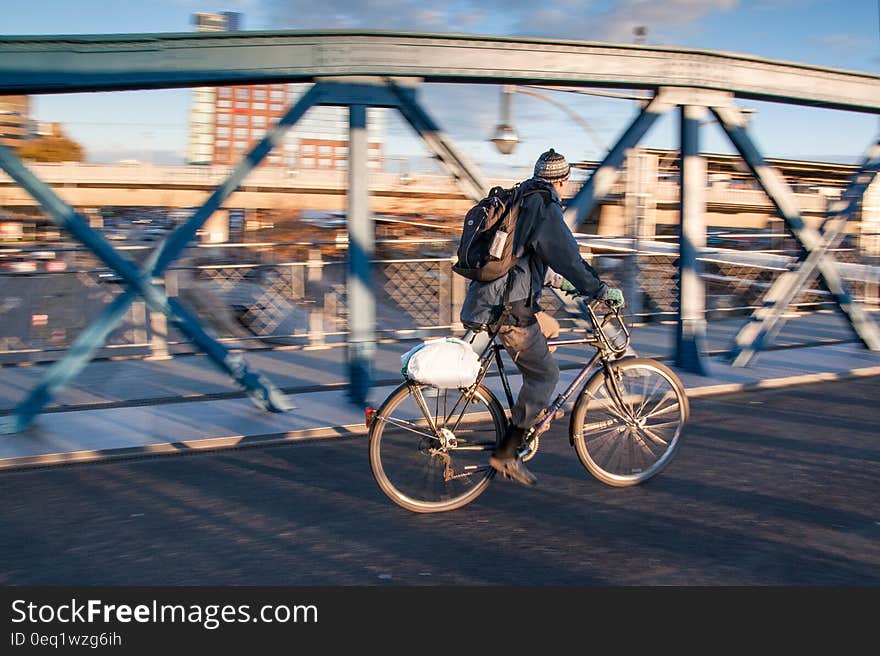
<point>628,437</point>
<point>426,470</point>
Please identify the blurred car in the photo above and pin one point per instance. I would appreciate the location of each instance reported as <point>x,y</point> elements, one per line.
<point>56,265</point>
<point>109,276</point>
<point>21,266</point>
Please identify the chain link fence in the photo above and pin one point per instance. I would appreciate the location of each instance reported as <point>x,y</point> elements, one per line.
<point>268,296</point>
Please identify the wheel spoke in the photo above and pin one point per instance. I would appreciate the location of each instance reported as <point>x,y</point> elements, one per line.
<point>674,407</point>
<point>604,441</point>
<point>646,394</point>
<point>673,425</point>
<point>618,398</point>
<point>645,447</point>
<point>612,445</point>
<point>617,449</point>
<point>653,436</point>
<point>669,395</point>
<point>608,402</point>
<point>407,426</point>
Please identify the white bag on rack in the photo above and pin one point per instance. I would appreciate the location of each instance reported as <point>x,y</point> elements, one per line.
<point>446,362</point>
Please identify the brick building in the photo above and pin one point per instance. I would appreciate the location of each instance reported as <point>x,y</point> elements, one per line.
<point>14,120</point>
<point>226,121</point>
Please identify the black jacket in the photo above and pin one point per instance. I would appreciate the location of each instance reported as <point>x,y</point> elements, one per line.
<point>542,240</point>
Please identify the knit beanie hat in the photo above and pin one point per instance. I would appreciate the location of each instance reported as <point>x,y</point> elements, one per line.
<point>552,167</point>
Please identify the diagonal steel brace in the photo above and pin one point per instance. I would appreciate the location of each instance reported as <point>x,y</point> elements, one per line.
<point>141,282</point>
<point>816,246</point>
<point>600,182</point>
<point>462,169</point>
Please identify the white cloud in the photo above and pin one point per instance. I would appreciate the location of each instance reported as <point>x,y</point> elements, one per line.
<point>410,15</point>
<point>845,42</point>
<point>773,5</point>
<point>618,22</point>
<point>566,19</point>
<point>228,5</point>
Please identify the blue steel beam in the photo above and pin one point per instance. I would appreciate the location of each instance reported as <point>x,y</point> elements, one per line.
<point>138,282</point>
<point>362,303</point>
<point>361,300</point>
<point>815,246</point>
<point>53,64</point>
<point>600,182</point>
<point>361,238</point>
<point>464,171</point>
<point>690,334</point>
<point>178,240</point>
<point>767,320</point>
<point>347,91</point>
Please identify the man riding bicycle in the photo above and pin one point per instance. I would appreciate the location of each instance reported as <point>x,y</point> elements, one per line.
<point>542,241</point>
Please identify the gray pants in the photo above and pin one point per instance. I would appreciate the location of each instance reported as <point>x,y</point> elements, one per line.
<point>528,348</point>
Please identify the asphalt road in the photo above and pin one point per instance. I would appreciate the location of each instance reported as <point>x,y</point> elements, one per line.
<point>770,488</point>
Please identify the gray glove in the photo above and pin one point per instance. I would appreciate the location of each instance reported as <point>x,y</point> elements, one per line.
<point>614,298</point>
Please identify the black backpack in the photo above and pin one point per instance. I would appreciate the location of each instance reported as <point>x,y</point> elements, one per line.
<point>485,251</point>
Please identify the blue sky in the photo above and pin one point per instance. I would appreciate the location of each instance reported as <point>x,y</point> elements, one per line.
<point>151,125</point>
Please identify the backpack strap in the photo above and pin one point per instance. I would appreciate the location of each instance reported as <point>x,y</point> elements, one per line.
<point>508,285</point>
<point>505,300</point>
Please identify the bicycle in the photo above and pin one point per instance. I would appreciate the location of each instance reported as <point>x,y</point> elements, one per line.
<point>626,424</point>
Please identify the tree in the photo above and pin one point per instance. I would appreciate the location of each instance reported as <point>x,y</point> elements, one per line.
<point>56,147</point>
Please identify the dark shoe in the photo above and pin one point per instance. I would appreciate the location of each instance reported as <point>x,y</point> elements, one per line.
<point>510,443</point>
<point>514,469</point>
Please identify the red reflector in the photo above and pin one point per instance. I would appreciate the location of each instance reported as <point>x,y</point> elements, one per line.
<point>369,413</point>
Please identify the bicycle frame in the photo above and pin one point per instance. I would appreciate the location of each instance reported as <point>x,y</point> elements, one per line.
<point>606,352</point>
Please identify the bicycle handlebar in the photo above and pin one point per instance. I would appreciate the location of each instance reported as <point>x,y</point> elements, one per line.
<point>599,325</point>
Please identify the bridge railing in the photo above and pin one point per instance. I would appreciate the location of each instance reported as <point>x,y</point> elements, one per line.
<point>294,294</point>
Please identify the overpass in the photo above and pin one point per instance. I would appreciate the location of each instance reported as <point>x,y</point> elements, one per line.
<point>728,204</point>
<point>358,69</point>
<point>121,185</point>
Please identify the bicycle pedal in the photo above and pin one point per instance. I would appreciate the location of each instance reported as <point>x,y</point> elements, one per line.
<point>559,414</point>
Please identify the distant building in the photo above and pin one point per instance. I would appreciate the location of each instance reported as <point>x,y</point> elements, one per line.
<point>242,116</point>
<point>14,120</point>
<point>203,109</point>
<point>225,122</point>
<point>227,21</point>
<point>47,129</point>
<point>319,140</point>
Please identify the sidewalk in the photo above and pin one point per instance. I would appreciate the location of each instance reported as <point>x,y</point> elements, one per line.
<point>134,408</point>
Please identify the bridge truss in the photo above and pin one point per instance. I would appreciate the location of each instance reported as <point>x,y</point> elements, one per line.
<point>374,69</point>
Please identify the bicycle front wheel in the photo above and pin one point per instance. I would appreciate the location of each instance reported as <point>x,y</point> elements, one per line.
<point>426,454</point>
<point>627,430</point>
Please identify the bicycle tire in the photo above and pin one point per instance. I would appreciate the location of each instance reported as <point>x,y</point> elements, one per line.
<point>406,462</point>
<point>624,446</point>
